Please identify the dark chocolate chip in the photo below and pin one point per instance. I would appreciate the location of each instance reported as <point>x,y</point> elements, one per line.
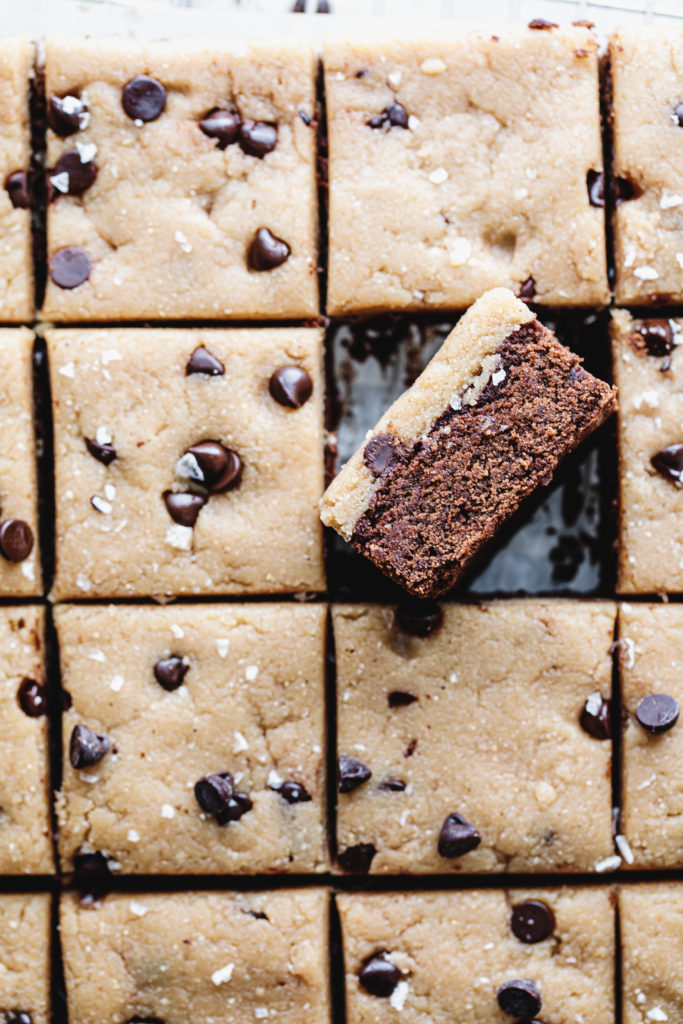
<point>400,699</point>
<point>324,7</point>
<point>625,189</point>
<point>658,337</point>
<point>266,251</point>
<point>669,462</point>
<point>657,713</point>
<point>66,115</point>
<point>294,793</point>
<point>351,773</point>
<point>378,975</point>
<point>143,98</point>
<point>419,618</point>
<point>170,672</point>
<point>236,806</point>
<point>410,749</point>
<point>16,540</point>
<point>382,454</point>
<point>595,183</point>
<point>17,189</point>
<point>92,864</point>
<point>677,114</point>
<point>32,698</point>
<point>104,453</point>
<point>183,506</point>
<point>17,1017</point>
<point>221,467</point>
<point>306,118</point>
<point>258,914</point>
<point>527,290</point>
<point>532,921</point>
<point>86,747</point>
<point>299,7</point>
<point>457,837</point>
<point>519,998</point>
<point>70,267</point>
<point>222,125</point>
<point>392,786</point>
<point>203,361</point>
<point>393,116</point>
<point>290,386</point>
<point>357,859</point>
<point>67,702</point>
<point>595,717</point>
<point>541,23</point>
<point>258,138</point>
<point>80,173</point>
<point>212,792</point>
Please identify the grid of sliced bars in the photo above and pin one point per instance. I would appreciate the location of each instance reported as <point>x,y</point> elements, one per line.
<point>178,184</point>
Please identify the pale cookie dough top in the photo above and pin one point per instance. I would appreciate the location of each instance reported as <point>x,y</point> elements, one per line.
<point>16,255</point>
<point>228,957</point>
<point>647,91</point>
<point>183,693</point>
<point>454,950</point>
<point>651,918</point>
<point>171,213</point>
<point>25,957</point>
<point>648,370</point>
<point>652,800</point>
<point>129,389</point>
<point>25,827</point>
<point>482,183</point>
<point>479,719</point>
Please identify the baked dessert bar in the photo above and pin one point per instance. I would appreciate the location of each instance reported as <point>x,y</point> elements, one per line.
<point>25,941</point>
<point>651,920</point>
<point>16,251</point>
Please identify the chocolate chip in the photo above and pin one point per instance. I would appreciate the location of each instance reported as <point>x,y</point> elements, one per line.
<point>527,290</point>
<point>351,773</point>
<point>17,189</point>
<point>392,786</point>
<point>677,114</point>
<point>86,747</point>
<point>92,863</point>
<point>419,618</point>
<point>221,468</point>
<point>170,672</point>
<point>32,698</point>
<point>183,506</point>
<point>258,138</point>
<point>203,361</point>
<point>294,793</point>
<point>212,792</point>
<point>595,717</point>
<point>595,183</point>
<point>299,7</point>
<point>290,386</point>
<point>16,540</point>
<point>17,1017</point>
<point>266,251</point>
<point>103,452</point>
<point>393,116</point>
<point>658,337</point>
<point>306,118</point>
<point>410,749</point>
<point>625,189</point>
<point>357,859</point>
<point>222,125</point>
<point>669,463</point>
<point>378,975</point>
<point>400,699</point>
<point>457,837</point>
<point>323,7</point>
<point>382,454</point>
<point>70,267</point>
<point>143,98</point>
<point>519,998</point>
<point>657,713</point>
<point>80,174</point>
<point>541,23</point>
<point>532,921</point>
<point>236,807</point>
<point>66,115</point>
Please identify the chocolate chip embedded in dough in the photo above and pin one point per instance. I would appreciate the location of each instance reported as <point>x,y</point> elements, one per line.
<point>104,452</point>
<point>527,290</point>
<point>290,386</point>
<point>32,698</point>
<point>393,116</point>
<point>457,837</point>
<point>378,975</point>
<point>266,251</point>
<point>86,747</point>
<point>400,699</point>
<point>143,98</point>
<point>519,998</point>
<point>16,540</point>
<point>658,337</point>
<point>212,792</point>
<point>170,672</point>
<point>80,174</point>
<point>382,454</point>
<point>392,786</point>
<point>66,115</point>
<point>294,793</point>
<point>17,1017</point>
<point>351,773</point>
<point>669,463</point>
<point>677,114</point>
<point>70,267</point>
<point>183,506</point>
<point>223,125</point>
<point>419,618</point>
<point>257,138</point>
<point>595,717</point>
<point>541,24</point>
<point>17,188</point>
<point>221,468</point>
<point>357,859</point>
<point>203,361</point>
<point>595,183</point>
<point>532,921</point>
<point>657,713</point>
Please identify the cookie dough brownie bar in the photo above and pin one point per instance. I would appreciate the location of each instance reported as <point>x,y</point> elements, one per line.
<point>16,253</point>
<point>25,942</point>
<point>651,921</point>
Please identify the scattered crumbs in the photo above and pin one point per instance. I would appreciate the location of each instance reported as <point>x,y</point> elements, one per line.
<point>223,974</point>
<point>399,995</point>
<point>83,583</point>
<point>109,355</point>
<point>167,811</point>
<point>137,908</point>
<point>274,779</point>
<point>97,656</point>
<point>183,241</point>
<point>68,370</point>
<point>178,631</point>
<point>222,646</point>
<point>89,778</point>
<point>497,377</point>
<point>438,176</point>
<point>630,255</point>
<point>623,846</point>
<point>133,836</point>
<point>433,66</point>
<point>395,78</point>
<point>250,673</point>
<point>670,199</point>
<point>607,864</point>
<point>645,273</point>
<point>459,251</point>
<point>240,742</point>
<point>179,537</point>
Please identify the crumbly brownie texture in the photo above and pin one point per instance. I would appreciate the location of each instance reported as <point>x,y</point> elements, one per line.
<point>652,801</point>
<point>137,514</point>
<point>651,922</point>
<point>176,959</point>
<point>177,156</point>
<point>25,959</point>
<point>572,968</point>
<point>25,828</point>
<point>16,254</point>
<point>20,574</point>
<point>475,132</point>
<point>485,424</point>
<point>648,370</point>
<point>481,720</point>
<point>647,114</point>
<point>181,694</point>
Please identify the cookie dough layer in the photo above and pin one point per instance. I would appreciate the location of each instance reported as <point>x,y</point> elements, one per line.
<point>168,220</point>
<point>484,724</point>
<point>25,958</point>
<point>25,827</point>
<point>651,919</point>
<point>16,252</point>
<point>647,69</point>
<point>251,703</point>
<point>261,536</point>
<point>501,133</point>
<point>487,421</point>
<point>228,957</point>
<point>455,949</point>
<point>652,799</point>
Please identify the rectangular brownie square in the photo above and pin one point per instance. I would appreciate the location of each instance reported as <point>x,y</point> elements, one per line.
<point>182,180</point>
<point>16,247</point>
<point>651,922</point>
<point>187,461</point>
<point>486,423</point>
<point>461,163</point>
<point>25,944</point>
<point>479,955</point>
<point>474,738</point>
<point>194,739</point>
